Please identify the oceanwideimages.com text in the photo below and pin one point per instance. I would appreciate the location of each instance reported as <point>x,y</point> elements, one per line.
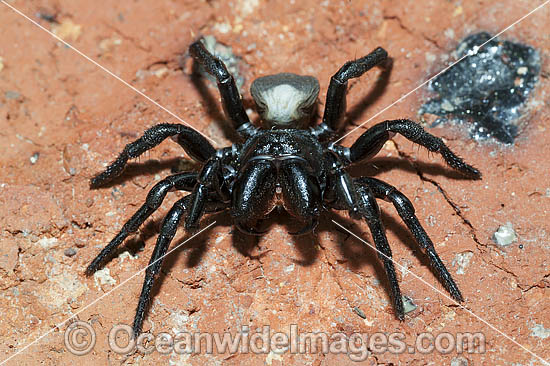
<point>80,339</point>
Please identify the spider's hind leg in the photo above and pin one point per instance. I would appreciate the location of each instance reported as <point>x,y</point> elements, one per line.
<point>368,208</point>
<point>361,203</point>
<point>405,210</point>
<point>166,234</point>
<point>181,181</point>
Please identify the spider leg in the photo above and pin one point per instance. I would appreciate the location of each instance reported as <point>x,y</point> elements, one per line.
<point>335,105</point>
<point>371,141</point>
<point>181,181</point>
<point>196,145</point>
<point>405,210</point>
<point>167,233</point>
<point>360,202</point>
<point>231,99</point>
<point>368,208</point>
<point>209,177</point>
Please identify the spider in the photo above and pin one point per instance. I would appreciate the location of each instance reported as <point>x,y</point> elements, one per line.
<point>285,164</point>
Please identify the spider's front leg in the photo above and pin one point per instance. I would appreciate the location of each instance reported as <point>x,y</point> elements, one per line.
<point>335,105</point>
<point>371,141</point>
<point>369,210</point>
<point>167,233</point>
<point>182,181</point>
<point>231,99</point>
<point>196,145</point>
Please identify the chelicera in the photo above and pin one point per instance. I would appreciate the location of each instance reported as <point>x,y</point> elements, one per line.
<point>287,163</point>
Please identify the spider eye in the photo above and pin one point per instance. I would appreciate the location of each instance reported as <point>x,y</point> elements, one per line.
<point>285,100</point>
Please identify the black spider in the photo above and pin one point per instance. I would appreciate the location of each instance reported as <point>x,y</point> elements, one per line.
<point>286,164</point>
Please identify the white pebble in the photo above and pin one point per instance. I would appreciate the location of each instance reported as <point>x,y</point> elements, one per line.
<point>522,70</point>
<point>505,235</point>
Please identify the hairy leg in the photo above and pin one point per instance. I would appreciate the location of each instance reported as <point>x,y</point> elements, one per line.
<point>335,105</point>
<point>231,99</point>
<point>167,233</point>
<point>371,213</point>
<point>361,203</point>
<point>208,181</point>
<point>405,210</point>
<point>196,145</point>
<point>181,181</point>
<point>371,141</point>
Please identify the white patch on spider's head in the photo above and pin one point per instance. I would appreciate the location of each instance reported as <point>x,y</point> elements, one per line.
<point>285,100</point>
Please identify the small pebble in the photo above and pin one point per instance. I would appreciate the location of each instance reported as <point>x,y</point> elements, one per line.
<point>459,361</point>
<point>447,106</point>
<point>359,312</point>
<point>462,260</point>
<point>69,252</point>
<point>408,304</point>
<point>34,158</point>
<point>505,235</point>
<point>522,70</point>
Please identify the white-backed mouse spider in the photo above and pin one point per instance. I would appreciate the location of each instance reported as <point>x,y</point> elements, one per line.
<point>286,163</point>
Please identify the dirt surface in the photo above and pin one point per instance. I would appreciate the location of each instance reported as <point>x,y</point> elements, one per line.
<point>63,118</point>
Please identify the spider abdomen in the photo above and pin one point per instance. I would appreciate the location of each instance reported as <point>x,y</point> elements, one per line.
<point>285,100</point>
